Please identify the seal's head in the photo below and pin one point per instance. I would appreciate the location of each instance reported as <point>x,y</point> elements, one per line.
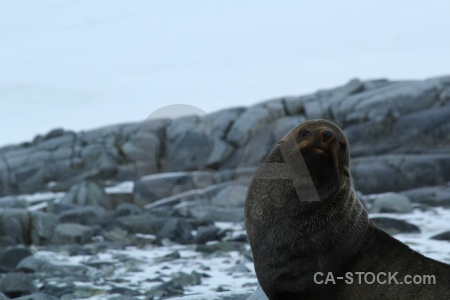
<point>324,148</point>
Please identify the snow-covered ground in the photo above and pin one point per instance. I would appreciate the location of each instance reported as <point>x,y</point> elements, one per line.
<point>218,266</point>
<point>228,270</point>
<point>84,64</point>
<point>430,222</point>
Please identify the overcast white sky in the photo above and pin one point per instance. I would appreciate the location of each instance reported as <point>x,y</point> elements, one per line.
<point>85,64</point>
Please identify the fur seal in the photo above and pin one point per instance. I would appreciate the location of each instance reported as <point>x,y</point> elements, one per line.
<point>303,217</point>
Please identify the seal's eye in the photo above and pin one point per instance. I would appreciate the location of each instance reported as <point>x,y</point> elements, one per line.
<point>303,133</point>
<point>341,147</point>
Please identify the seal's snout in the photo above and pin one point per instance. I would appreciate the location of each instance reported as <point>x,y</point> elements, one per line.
<point>326,135</point>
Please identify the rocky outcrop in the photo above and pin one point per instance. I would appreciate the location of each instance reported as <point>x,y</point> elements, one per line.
<point>398,172</point>
<point>172,182</point>
<point>395,123</point>
<point>61,158</point>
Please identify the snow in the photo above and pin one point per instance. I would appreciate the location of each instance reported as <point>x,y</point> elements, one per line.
<point>190,261</point>
<point>85,64</point>
<point>431,222</point>
<point>41,197</point>
<point>125,187</point>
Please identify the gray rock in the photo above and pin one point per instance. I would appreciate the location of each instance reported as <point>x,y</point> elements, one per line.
<point>185,279</point>
<point>204,179</point>
<point>258,295</point>
<point>120,198</point>
<point>375,104</point>
<point>8,184</point>
<point>444,236</point>
<point>14,227</point>
<point>386,173</point>
<point>206,234</point>
<point>128,150</point>
<point>241,238</point>
<point>117,235</point>
<point>66,158</point>
<point>75,250</point>
<point>144,223</point>
<point>103,163</point>
<point>391,203</point>
<point>218,296</point>
<point>444,97</point>
<point>31,264</point>
<point>253,135</point>
<point>17,284</point>
<point>192,180</point>
<point>125,293</point>
<point>217,214</point>
<point>29,169</point>
<point>37,296</point>
<point>176,230</point>
<point>221,247</point>
<point>89,215</point>
<point>87,291</point>
<point>220,150</point>
<point>122,298</point>
<point>87,193</point>
<point>59,287</point>
<point>433,196</point>
<point>42,227</point>
<point>239,268</point>
<point>419,132</point>
<point>379,117</point>
<point>394,226</point>
<point>191,142</point>
<point>284,125</point>
<point>30,165</point>
<point>58,208</point>
<point>250,120</point>
<point>45,269</point>
<point>52,134</point>
<point>3,297</point>
<point>157,186</point>
<point>231,196</point>
<point>126,172</point>
<point>127,209</point>
<point>13,202</point>
<point>316,107</point>
<point>145,192</point>
<point>222,120</point>
<point>294,105</point>
<point>11,257</point>
<point>168,257</point>
<point>165,290</point>
<point>69,233</point>
<point>149,146</point>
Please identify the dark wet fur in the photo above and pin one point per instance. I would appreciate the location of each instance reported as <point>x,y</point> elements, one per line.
<point>292,239</point>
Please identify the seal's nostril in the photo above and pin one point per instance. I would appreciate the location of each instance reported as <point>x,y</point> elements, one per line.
<point>326,134</point>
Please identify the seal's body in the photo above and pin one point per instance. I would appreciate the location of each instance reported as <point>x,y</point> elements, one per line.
<point>303,217</point>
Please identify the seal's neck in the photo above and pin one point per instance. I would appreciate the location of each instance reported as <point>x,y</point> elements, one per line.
<point>339,218</point>
<point>329,212</point>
